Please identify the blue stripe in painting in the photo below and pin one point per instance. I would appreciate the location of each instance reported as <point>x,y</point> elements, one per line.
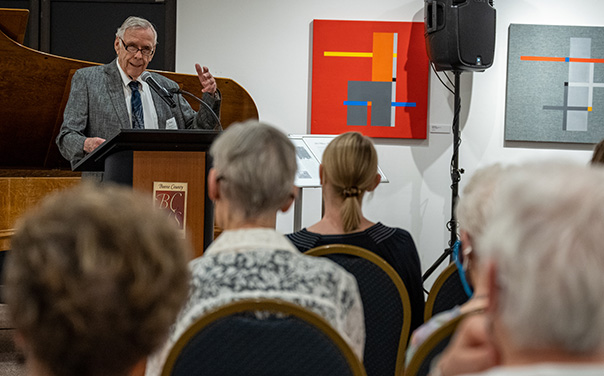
<point>403,104</point>
<point>355,103</point>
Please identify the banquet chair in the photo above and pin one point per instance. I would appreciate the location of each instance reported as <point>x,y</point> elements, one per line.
<point>261,337</point>
<point>446,292</point>
<point>386,306</point>
<point>420,363</point>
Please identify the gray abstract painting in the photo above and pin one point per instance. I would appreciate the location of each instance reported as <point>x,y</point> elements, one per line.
<point>555,84</point>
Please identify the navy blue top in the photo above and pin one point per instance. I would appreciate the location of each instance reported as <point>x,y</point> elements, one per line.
<point>394,245</point>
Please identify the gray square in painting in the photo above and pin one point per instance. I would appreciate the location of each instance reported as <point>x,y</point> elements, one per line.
<point>578,96</point>
<point>576,121</point>
<point>551,97</point>
<point>379,93</point>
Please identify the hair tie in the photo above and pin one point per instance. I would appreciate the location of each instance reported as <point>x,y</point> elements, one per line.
<point>351,192</point>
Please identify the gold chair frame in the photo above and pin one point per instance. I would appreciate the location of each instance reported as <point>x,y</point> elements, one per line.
<point>432,341</point>
<point>438,284</point>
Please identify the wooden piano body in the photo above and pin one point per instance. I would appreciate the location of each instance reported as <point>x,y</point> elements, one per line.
<point>34,87</point>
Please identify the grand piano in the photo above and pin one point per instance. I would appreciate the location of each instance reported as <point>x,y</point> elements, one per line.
<point>34,87</point>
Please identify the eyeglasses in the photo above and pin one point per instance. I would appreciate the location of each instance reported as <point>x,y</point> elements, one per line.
<point>146,51</point>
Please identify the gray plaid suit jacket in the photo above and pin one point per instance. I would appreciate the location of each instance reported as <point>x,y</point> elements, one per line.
<point>96,108</point>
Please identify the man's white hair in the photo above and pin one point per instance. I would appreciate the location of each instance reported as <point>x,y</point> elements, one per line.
<point>134,22</point>
<point>546,236</point>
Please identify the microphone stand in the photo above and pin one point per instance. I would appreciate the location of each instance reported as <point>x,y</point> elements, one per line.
<point>455,172</point>
<point>181,92</point>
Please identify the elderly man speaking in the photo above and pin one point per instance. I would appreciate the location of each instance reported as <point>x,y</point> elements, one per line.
<point>107,98</point>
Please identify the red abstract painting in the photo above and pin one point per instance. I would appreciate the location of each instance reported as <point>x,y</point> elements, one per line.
<point>370,77</point>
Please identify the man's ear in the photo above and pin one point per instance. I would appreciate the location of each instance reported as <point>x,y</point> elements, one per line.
<point>290,200</point>
<point>116,44</point>
<point>376,181</point>
<point>213,185</point>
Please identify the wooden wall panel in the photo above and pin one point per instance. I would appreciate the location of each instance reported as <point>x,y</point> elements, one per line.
<point>17,195</point>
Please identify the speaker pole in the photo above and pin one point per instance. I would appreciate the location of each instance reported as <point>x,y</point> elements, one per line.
<point>455,170</point>
<point>455,178</point>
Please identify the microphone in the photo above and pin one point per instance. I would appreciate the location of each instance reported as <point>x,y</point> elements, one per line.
<point>207,106</point>
<point>160,90</point>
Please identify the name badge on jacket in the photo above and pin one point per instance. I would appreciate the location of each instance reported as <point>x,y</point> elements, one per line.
<point>171,124</point>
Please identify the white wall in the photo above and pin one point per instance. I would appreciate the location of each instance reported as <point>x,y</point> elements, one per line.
<point>264,45</point>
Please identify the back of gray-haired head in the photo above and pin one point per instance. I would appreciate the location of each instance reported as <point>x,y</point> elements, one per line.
<point>476,202</point>
<point>545,237</point>
<point>134,22</point>
<point>257,166</point>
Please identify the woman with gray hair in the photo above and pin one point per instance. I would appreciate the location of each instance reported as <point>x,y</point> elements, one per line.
<point>473,211</point>
<point>542,252</point>
<point>253,179</point>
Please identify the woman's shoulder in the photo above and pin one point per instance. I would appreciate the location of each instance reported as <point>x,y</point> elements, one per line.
<point>304,239</point>
<point>381,233</point>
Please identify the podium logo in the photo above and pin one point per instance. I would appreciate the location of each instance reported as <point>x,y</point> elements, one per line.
<point>172,198</point>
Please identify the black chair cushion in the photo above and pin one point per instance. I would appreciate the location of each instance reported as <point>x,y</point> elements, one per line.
<point>383,313</point>
<point>451,294</point>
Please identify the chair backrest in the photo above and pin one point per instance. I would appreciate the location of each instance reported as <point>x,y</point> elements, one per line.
<point>386,306</point>
<point>261,337</point>
<point>446,292</point>
<point>420,363</point>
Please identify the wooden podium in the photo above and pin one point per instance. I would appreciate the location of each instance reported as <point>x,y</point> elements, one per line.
<point>140,158</point>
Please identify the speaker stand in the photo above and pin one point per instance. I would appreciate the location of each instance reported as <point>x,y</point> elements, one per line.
<point>455,172</point>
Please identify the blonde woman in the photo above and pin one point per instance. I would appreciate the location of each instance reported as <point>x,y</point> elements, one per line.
<point>348,171</point>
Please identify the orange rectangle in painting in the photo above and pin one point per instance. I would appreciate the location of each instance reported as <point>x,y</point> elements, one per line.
<point>383,52</point>
<point>542,58</point>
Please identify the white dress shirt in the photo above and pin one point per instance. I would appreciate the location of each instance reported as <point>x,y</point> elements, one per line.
<point>149,112</point>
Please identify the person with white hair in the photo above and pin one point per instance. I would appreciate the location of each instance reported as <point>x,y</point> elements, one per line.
<point>545,278</point>
<point>252,179</point>
<point>473,210</point>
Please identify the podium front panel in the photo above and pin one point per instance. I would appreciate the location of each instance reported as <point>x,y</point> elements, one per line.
<point>149,167</point>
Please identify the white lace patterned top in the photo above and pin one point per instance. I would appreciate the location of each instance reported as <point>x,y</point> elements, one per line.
<point>253,263</point>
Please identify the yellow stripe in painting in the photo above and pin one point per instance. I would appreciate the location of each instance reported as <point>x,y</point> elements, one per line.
<point>349,54</point>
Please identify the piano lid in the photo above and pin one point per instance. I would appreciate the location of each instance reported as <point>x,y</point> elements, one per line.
<point>34,89</point>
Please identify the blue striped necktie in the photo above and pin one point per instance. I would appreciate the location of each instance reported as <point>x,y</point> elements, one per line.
<point>137,107</point>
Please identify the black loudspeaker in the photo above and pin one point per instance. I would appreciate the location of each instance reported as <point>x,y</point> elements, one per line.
<point>460,34</point>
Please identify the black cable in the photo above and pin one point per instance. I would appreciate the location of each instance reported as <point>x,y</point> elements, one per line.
<point>180,91</point>
<point>440,79</point>
<point>449,79</point>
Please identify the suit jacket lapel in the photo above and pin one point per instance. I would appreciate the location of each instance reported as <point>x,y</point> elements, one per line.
<point>116,94</point>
